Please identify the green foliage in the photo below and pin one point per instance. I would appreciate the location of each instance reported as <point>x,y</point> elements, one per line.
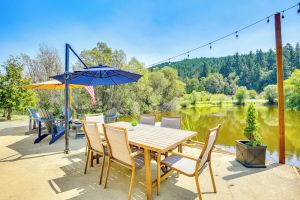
<point>156,90</point>
<point>292,91</point>
<point>254,70</point>
<point>194,97</point>
<point>250,131</point>
<point>12,95</point>
<point>218,97</point>
<point>252,94</point>
<point>271,93</point>
<point>241,95</point>
<point>45,64</point>
<point>134,122</point>
<point>215,83</point>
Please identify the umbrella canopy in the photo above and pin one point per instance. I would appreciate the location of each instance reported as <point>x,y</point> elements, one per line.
<point>50,85</point>
<point>99,75</point>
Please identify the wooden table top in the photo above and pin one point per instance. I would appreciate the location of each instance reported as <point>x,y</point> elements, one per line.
<point>155,138</point>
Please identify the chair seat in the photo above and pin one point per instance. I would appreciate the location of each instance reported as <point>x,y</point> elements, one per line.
<point>139,160</point>
<point>181,164</point>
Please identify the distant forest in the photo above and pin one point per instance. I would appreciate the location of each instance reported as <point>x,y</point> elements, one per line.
<point>254,70</point>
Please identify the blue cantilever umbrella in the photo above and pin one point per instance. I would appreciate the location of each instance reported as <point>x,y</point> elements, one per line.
<point>98,75</point>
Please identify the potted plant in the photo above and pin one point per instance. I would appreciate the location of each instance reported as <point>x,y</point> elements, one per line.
<point>251,153</point>
<point>134,124</point>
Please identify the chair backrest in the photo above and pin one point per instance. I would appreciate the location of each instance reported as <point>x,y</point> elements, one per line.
<point>208,147</point>
<point>170,122</point>
<point>70,113</point>
<point>149,120</point>
<point>97,118</point>
<point>45,114</point>
<point>118,145</point>
<point>92,134</point>
<point>33,113</point>
<point>111,112</point>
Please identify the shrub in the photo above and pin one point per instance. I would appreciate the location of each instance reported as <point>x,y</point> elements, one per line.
<point>270,93</point>
<point>194,97</point>
<point>252,94</point>
<point>218,97</point>
<point>134,122</point>
<point>240,95</point>
<point>292,91</point>
<point>184,104</point>
<point>250,131</point>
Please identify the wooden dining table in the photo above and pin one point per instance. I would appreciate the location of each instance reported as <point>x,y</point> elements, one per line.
<point>156,139</point>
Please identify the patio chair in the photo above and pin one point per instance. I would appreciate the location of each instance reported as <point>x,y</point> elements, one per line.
<point>53,125</point>
<point>35,117</point>
<point>170,122</point>
<point>99,120</point>
<point>70,116</point>
<point>192,166</point>
<point>120,153</point>
<point>95,144</point>
<point>149,120</point>
<point>111,115</point>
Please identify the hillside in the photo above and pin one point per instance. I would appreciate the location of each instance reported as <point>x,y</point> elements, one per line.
<point>254,70</point>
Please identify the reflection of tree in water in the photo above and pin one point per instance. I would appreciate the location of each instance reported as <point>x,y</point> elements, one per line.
<point>232,120</point>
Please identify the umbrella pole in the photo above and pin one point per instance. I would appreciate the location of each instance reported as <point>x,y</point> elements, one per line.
<point>67,99</point>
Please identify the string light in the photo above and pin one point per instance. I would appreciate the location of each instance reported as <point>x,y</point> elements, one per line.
<point>188,55</point>
<point>228,35</point>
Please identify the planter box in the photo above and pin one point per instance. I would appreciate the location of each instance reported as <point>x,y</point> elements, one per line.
<point>249,156</point>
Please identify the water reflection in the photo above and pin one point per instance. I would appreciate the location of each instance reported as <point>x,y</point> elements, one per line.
<point>233,122</point>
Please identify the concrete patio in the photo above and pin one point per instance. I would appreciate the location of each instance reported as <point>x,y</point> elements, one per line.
<point>42,171</point>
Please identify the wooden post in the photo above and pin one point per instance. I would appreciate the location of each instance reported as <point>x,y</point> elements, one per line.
<point>280,88</point>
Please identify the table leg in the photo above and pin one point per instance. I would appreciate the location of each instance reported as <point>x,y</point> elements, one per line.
<point>158,173</point>
<point>148,174</point>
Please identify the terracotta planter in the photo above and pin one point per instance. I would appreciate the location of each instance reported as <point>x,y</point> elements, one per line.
<point>249,156</point>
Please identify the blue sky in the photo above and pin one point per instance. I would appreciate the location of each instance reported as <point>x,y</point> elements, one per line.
<point>150,30</point>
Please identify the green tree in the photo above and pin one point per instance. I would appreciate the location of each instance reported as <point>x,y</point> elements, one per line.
<point>250,131</point>
<point>292,91</point>
<point>241,95</point>
<point>45,64</point>
<point>252,94</point>
<point>215,83</point>
<point>271,93</point>
<point>12,95</point>
<point>192,85</point>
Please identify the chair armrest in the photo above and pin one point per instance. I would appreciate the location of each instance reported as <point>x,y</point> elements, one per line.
<point>47,119</point>
<point>196,142</point>
<point>134,154</point>
<point>104,144</point>
<point>185,156</point>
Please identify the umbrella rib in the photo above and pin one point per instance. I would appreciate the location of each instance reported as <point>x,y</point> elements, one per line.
<point>126,77</point>
<point>110,78</point>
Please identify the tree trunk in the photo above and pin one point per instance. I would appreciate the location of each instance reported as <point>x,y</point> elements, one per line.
<point>9,110</point>
<point>4,113</point>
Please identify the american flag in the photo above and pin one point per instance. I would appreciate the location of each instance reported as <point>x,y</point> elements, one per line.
<point>91,92</point>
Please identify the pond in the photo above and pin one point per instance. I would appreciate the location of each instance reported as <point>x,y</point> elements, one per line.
<point>233,122</point>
